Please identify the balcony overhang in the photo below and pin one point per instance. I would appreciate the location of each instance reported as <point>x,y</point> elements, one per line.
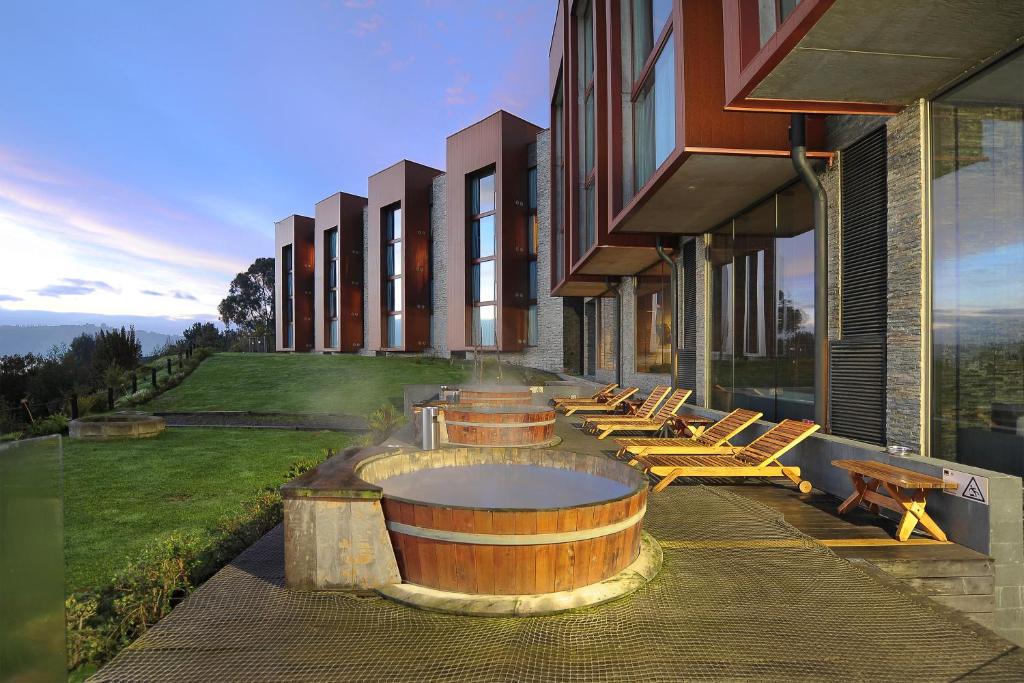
<point>581,286</point>
<point>865,56</point>
<point>615,261</point>
<point>700,189</point>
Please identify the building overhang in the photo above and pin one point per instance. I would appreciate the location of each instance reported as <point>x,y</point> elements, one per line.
<point>700,189</point>
<point>861,56</point>
<point>581,286</point>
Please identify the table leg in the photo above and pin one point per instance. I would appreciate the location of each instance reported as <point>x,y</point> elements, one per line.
<point>859,488</point>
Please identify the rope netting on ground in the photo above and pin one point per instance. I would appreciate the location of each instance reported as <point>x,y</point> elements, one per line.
<point>741,595</point>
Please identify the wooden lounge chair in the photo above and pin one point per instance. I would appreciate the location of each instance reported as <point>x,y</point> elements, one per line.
<point>599,396</point>
<point>605,426</point>
<point>610,405</point>
<point>714,436</point>
<point>757,459</point>
<point>645,410</point>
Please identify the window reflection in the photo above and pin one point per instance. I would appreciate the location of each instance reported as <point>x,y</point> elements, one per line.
<point>654,121</point>
<point>762,309</point>
<point>653,320</point>
<point>977,196</point>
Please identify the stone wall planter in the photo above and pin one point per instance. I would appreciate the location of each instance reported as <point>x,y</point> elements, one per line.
<point>126,425</point>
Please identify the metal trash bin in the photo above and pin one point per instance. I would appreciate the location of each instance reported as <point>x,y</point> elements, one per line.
<point>430,430</point>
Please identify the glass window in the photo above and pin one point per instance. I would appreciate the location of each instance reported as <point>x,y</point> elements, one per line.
<point>649,19</point>
<point>654,119</point>
<point>653,320</point>
<point>483,281</point>
<point>332,273</point>
<point>335,330</point>
<point>331,285</point>
<point>586,88</point>
<point>762,308</point>
<point>332,304</point>
<point>558,169</point>
<point>288,304</point>
<point>332,243</point>
<point>393,224</point>
<point>977,196</point>
<point>484,326</point>
<point>394,330</point>
<point>533,280</point>
<point>483,237</point>
<point>483,242</point>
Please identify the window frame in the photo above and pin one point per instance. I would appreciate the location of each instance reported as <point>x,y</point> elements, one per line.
<point>641,80</point>
<point>476,262</point>
<point>395,282</point>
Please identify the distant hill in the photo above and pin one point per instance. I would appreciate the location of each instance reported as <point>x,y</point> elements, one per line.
<point>40,338</point>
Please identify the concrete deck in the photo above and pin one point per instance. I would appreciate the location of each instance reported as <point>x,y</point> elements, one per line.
<point>746,592</point>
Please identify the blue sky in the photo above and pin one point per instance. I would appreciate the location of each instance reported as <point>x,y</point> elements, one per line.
<point>146,148</point>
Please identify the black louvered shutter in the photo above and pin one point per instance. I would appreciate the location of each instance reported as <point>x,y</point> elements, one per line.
<point>688,316</point>
<point>857,360</point>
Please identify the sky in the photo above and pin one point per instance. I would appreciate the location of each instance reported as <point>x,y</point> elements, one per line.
<point>146,148</point>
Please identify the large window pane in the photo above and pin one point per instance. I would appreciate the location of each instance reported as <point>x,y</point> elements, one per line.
<point>335,329</point>
<point>482,194</point>
<point>332,304</point>
<point>762,309</point>
<point>978,270</point>
<point>483,237</point>
<point>393,224</point>
<point>653,320</point>
<point>649,18</point>
<point>332,243</point>
<point>484,325</point>
<point>482,281</point>
<point>654,121</point>
<point>395,330</point>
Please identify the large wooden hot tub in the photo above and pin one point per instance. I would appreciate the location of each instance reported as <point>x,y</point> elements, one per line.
<point>474,425</point>
<point>495,398</point>
<point>509,521</point>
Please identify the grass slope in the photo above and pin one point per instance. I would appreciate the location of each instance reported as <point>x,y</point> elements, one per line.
<point>306,383</point>
<point>121,495</point>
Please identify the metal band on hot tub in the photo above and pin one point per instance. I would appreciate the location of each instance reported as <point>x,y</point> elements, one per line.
<point>501,425</point>
<point>517,539</point>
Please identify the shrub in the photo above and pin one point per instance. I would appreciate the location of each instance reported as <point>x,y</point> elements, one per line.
<point>54,424</point>
<point>384,420</point>
<point>101,622</point>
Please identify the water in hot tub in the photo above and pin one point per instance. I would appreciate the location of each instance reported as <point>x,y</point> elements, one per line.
<point>503,486</point>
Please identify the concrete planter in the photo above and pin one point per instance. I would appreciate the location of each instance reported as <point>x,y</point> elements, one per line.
<point>116,426</point>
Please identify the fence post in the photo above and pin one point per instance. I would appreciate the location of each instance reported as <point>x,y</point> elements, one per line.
<point>153,370</point>
<point>110,398</point>
<point>74,406</point>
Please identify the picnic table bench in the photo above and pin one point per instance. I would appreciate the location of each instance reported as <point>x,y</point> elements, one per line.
<point>906,491</point>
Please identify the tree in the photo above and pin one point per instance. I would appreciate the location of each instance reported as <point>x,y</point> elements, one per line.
<point>249,305</point>
<point>120,347</point>
<point>203,334</point>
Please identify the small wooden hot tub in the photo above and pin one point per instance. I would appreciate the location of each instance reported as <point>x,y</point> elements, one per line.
<point>509,521</point>
<point>475,425</point>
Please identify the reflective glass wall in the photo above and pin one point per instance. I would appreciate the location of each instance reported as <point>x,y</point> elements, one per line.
<point>653,320</point>
<point>762,308</point>
<point>977,196</point>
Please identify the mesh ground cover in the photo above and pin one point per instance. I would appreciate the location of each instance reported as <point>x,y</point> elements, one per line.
<point>741,595</point>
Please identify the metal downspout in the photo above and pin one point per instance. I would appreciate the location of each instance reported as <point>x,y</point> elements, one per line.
<point>615,286</point>
<point>673,279</point>
<point>798,152</point>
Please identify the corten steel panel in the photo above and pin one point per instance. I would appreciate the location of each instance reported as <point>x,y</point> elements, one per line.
<point>345,212</point>
<point>704,130</point>
<point>569,284</point>
<point>296,231</point>
<point>409,184</point>
<point>607,177</point>
<point>500,141</point>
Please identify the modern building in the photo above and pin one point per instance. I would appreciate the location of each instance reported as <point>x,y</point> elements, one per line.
<point>294,256</point>
<point>894,315</point>
<point>338,301</point>
<point>399,264</point>
<point>446,263</point>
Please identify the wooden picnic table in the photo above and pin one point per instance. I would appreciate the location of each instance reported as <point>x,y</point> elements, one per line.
<point>894,488</point>
<point>694,424</point>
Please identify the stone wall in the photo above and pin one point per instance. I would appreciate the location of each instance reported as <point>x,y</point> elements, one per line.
<point>439,257</point>
<point>700,396</point>
<point>905,291</point>
<point>547,354</point>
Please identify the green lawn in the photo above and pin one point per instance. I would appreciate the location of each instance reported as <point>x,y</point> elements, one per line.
<point>306,383</point>
<point>121,495</point>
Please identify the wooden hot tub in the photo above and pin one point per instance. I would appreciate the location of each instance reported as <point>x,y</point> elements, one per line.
<point>473,425</point>
<point>509,521</point>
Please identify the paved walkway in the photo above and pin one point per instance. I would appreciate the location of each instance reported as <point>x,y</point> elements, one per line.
<point>742,595</point>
